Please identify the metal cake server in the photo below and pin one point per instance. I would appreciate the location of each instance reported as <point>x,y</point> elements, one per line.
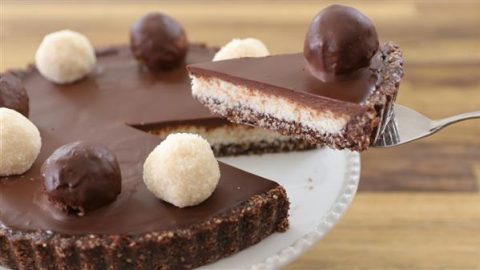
<point>406,125</point>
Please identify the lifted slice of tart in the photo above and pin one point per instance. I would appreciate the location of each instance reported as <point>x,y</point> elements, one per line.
<point>279,93</point>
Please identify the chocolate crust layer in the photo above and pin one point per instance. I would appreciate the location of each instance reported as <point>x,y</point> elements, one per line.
<point>356,135</point>
<point>262,147</point>
<point>183,248</point>
<point>384,97</point>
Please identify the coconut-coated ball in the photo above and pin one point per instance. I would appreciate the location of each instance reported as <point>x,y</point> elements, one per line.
<point>238,48</point>
<point>339,41</point>
<point>158,41</point>
<point>81,176</point>
<point>65,57</point>
<point>20,143</point>
<point>182,170</point>
<point>13,95</point>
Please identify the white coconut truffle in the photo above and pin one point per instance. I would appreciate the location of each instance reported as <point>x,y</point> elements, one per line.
<point>182,170</point>
<point>238,48</point>
<point>20,143</point>
<point>65,56</point>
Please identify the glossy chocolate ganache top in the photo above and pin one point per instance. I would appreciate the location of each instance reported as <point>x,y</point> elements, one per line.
<point>101,109</point>
<point>287,75</point>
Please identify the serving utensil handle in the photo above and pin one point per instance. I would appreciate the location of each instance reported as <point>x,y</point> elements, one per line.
<point>442,123</point>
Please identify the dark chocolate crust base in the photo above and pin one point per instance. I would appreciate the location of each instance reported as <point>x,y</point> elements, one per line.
<point>262,147</point>
<point>383,99</point>
<point>258,147</point>
<point>356,136</point>
<point>206,242</point>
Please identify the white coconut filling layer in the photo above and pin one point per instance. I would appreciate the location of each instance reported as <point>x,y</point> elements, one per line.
<point>226,135</point>
<point>232,96</point>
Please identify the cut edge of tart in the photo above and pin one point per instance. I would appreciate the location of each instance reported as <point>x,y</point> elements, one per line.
<point>228,139</point>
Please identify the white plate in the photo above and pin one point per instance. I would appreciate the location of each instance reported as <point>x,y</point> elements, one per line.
<point>316,204</point>
<point>320,184</point>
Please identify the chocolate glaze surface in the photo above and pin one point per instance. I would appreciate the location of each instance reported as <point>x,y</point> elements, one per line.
<point>98,109</point>
<point>288,76</point>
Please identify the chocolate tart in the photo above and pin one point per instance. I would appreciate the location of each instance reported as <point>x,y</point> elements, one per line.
<point>279,93</point>
<point>119,105</point>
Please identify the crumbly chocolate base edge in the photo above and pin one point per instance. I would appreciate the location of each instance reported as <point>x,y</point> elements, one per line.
<point>258,147</point>
<point>203,243</point>
<point>392,73</point>
<point>262,147</point>
<point>355,136</point>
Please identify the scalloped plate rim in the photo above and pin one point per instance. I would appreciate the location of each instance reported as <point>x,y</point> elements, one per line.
<point>338,209</point>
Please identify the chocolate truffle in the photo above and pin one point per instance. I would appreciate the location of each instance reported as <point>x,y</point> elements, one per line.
<point>339,41</point>
<point>65,57</point>
<point>13,95</point>
<point>81,177</point>
<point>158,41</point>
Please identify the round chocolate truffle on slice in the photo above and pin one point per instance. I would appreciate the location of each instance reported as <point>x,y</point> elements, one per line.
<point>339,41</point>
<point>13,95</point>
<point>158,41</point>
<point>81,177</point>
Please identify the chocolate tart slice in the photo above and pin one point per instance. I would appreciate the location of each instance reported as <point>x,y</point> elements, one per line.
<point>137,231</point>
<point>279,93</point>
<point>338,92</point>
